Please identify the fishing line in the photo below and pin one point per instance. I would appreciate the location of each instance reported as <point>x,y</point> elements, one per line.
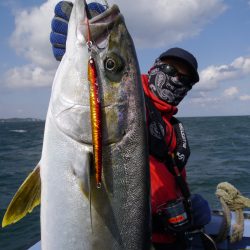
<point>90,194</point>
<point>106,4</point>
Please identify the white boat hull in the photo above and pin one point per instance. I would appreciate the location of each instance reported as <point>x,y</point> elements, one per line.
<point>213,229</point>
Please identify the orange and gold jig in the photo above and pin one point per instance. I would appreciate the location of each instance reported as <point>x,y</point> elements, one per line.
<point>95,107</point>
<point>95,110</point>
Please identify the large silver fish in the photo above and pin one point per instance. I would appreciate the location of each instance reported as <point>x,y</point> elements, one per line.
<point>75,214</point>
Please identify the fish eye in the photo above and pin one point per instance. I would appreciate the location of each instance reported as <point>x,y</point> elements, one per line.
<point>113,63</point>
<point>110,64</point>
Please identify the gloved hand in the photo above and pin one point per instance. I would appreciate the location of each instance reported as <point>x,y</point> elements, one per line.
<point>201,212</point>
<point>59,25</point>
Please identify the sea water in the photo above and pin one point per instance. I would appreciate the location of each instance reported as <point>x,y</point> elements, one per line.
<point>220,151</point>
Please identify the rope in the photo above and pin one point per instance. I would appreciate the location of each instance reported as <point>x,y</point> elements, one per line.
<point>231,200</point>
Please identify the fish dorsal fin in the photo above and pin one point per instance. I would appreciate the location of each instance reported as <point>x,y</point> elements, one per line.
<point>26,198</point>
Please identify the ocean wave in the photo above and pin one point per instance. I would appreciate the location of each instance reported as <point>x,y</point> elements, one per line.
<point>19,130</point>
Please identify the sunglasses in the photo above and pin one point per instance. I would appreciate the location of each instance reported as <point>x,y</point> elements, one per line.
<point>172,71</point>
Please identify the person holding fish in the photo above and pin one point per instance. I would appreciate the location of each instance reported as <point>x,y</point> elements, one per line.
<point>172,76</point>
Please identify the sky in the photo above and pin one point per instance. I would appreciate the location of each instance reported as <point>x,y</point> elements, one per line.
<point>217,32</point>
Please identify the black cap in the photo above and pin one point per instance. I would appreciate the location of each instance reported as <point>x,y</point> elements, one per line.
<point>185,56</point>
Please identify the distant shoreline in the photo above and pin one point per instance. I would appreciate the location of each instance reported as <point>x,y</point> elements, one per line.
<point>2,120</point>
<point>212,116</point>
<point>21,120</point>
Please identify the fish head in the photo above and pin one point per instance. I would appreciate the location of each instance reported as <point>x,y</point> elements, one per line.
<point>118,73</point>
<point>114,53</point>
<point>118,76</point>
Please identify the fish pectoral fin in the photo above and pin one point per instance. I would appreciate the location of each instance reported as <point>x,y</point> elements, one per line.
<point>26,198</point>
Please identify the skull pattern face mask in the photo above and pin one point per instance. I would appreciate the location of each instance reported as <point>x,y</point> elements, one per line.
<point>168,84</point>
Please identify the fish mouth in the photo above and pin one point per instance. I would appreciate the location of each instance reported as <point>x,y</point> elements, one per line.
<point>101,24</point>
<point>109,13</point>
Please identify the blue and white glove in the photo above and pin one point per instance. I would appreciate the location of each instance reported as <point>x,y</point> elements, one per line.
<point>201,212</point>
<point>59,25</point>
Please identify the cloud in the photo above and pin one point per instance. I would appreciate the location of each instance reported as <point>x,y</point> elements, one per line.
<point>206,98</point>
<point>202,99</point>
<point>31,35</point>
<point>212,76</point>
<point>245,98</point>
<point>151,25</point>
<point>161,23</point>
<point>242,64</point>
<point>30,40</point>
<point>231,92</point>
<point>29,76</point>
